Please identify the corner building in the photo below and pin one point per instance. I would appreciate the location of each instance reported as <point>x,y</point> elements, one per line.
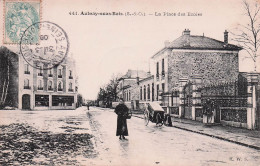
<point>41,88</point>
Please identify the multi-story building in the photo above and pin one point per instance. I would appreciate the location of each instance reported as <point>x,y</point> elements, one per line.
<point>41,88</point>
<point>189,55</point>
<point>128,82</point>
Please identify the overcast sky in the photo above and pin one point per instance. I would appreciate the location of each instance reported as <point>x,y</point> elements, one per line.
<point>103,45</point>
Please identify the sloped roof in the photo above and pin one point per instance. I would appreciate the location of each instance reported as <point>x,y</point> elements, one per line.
<point>200,42</point>
<point>135,73</point>
<point>187,41</point>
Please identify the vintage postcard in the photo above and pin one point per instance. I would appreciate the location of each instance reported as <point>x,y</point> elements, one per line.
<point>141,82</point>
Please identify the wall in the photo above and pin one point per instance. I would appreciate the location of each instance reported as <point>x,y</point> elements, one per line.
<point>213,66</point>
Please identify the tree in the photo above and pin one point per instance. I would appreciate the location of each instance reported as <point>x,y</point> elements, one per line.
<point>108,93</point>
<point>5,76</point>
<point>79,100</point>
<point>248,34</point>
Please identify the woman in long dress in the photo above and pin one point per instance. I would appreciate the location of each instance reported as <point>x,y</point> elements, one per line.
<point>122,111</point>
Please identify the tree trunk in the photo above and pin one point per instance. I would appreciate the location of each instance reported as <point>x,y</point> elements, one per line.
<point>8,75</point>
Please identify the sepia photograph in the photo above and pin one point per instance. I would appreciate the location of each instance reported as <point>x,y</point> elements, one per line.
<point>132,83</point>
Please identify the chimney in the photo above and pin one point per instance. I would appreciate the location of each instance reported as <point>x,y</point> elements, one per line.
<point>226,37</point>
<point>166,43</point>
<point>186,32</point>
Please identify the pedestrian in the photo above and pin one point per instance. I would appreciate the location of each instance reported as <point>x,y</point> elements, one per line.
<point>122,112</point>
<point>88,106</point>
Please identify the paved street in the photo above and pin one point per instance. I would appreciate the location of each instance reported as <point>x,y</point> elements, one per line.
<point>151,145</point>
<point>70,141</point>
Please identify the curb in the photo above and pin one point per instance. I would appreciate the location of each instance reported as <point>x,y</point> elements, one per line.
<point>213,136</point>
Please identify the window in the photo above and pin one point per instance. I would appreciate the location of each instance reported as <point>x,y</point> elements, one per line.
<point>163,86</point>
<point>144,93</point>
<point>40,87</point>
<point>163,72</point>
<point>26,69</point>
<point>70,74</point>
<point>59,73</point>
<point>50,85</point>
<point>157,92</point>
<point>152,91</point>
<point>40,71</point>
<point>26,84</point>
<point>129,96</point>
<point>50,73</point>
<point>70,87</point>
<point>59,86</point>
<point>41,100</point>
<point>62,100</point>
<point>141,93</point>
<point>148,91</point>
<point>157,70</point>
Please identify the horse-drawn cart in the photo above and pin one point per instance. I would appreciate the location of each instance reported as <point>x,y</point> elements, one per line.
<point>153,112</point>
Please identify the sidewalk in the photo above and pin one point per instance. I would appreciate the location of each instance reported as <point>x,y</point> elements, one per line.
<point>245,137</point>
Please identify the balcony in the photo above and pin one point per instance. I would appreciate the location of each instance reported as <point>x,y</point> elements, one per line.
<point>70,77</point>
<point>50,88</point>
<point>59,76</point>
<point>40,74</point>
<point>50,75</point>
<point>40,88</point>
<point>26,72</point>
<point>26,87</point>
<point>70,90</point>
<point>157,75</point>
<point>163,73</point>
<point>59,89</point>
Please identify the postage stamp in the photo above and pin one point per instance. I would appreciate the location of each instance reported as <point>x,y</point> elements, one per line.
<point>19,15</point>
<point>44,43</point>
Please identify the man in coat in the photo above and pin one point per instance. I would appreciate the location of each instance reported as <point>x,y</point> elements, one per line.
<point>122,111</point>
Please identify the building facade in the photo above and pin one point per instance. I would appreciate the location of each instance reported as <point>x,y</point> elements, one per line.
<point>187,56</point>
<point>39,88</point>
<point>127,85</point>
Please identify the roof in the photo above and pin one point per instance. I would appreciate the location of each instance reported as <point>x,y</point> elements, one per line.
<point>187,41</point>
<point>134,74</point>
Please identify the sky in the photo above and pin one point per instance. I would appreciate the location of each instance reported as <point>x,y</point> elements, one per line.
<point>107,45</point>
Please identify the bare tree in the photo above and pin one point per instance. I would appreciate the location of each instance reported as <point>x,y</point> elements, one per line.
<point>5,78</point>
<point>248,34</point>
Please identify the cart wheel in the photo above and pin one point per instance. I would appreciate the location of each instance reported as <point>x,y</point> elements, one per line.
<point>159,121</point>
<point>146,118</point>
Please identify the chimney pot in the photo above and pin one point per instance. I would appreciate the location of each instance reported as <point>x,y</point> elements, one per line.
<point>186,32</point>
<point>226,37</point>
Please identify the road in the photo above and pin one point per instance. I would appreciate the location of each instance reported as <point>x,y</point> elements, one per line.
<point>152,145</point>
<point>82,137</point>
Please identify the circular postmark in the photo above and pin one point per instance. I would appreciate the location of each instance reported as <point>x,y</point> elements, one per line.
<point>44,45</point>
<point>19,16</point>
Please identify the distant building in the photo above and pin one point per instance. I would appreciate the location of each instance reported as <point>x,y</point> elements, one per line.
<point>130,79</point>
<point>37,88</point>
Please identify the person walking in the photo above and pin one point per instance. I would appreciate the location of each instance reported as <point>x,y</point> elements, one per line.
<point>122,112</point>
